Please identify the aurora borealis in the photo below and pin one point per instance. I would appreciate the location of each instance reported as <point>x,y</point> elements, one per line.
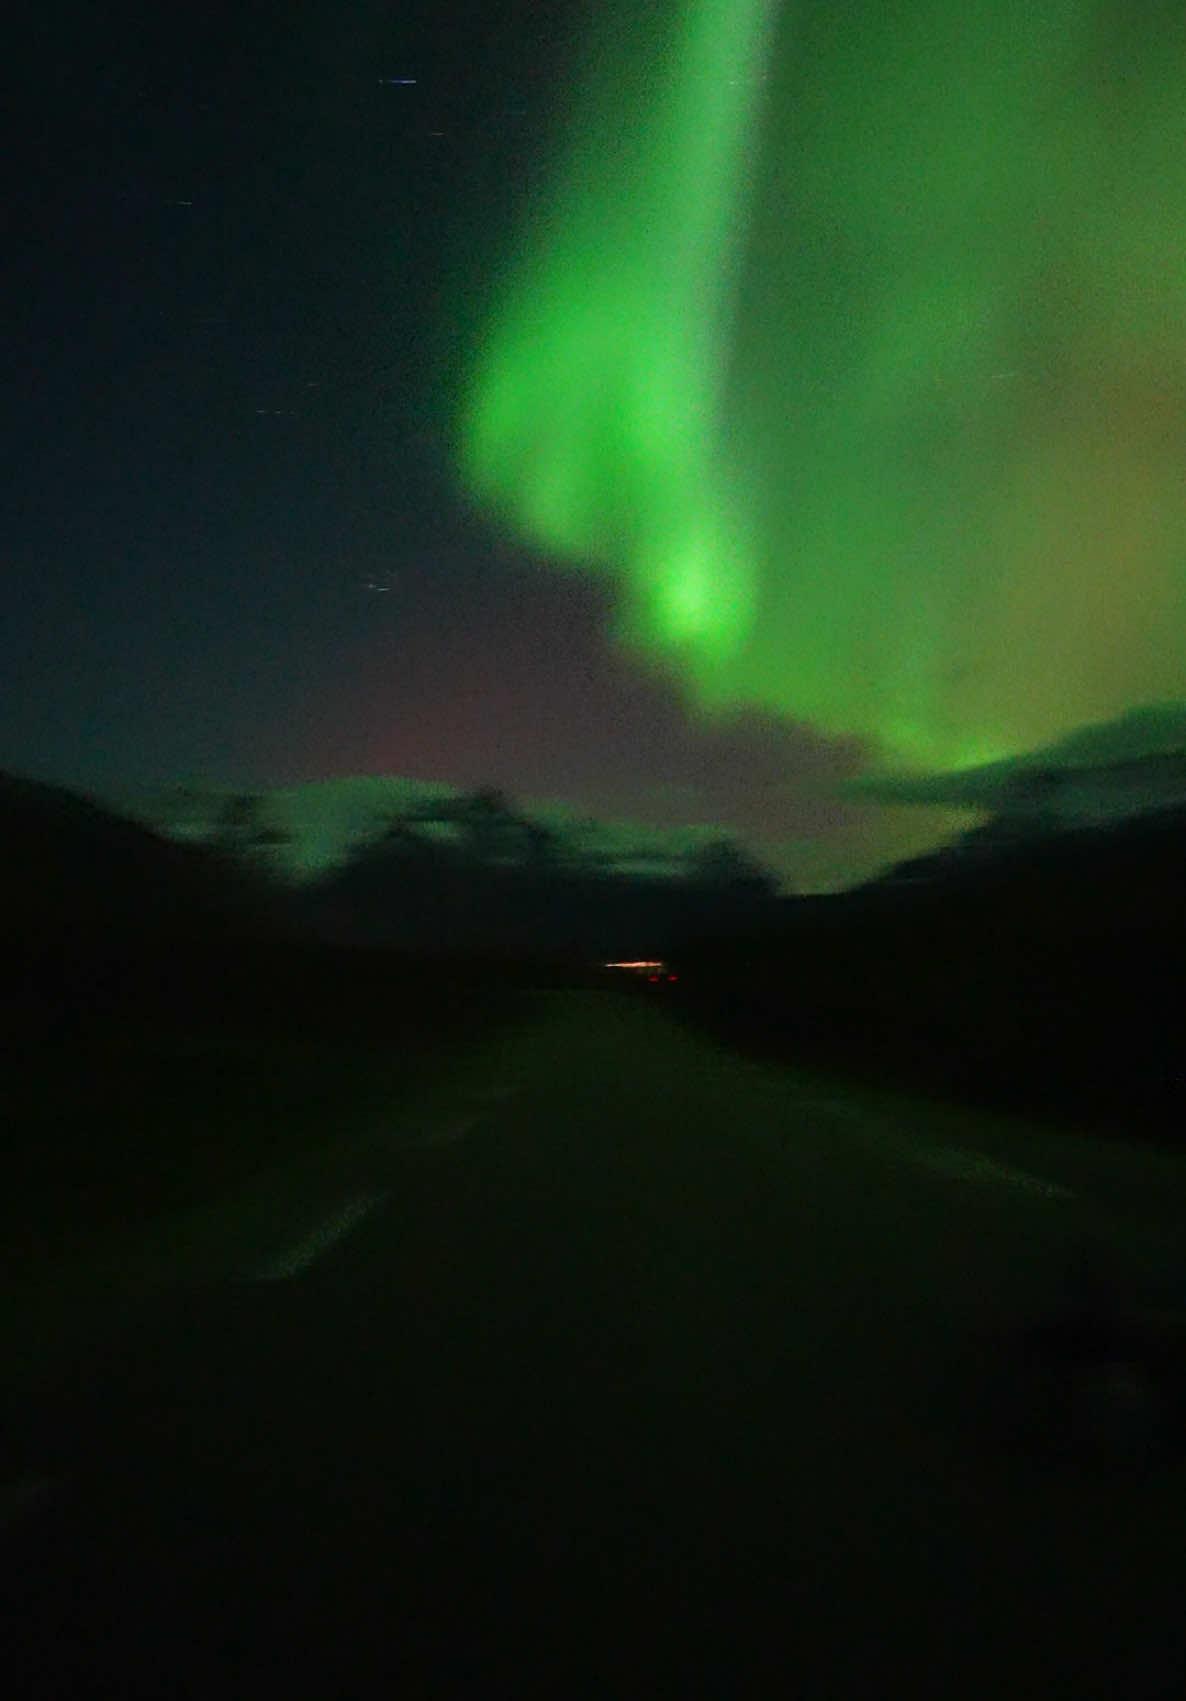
<point>596,405</point>
<point>682,412</point>
<point>850,342</point>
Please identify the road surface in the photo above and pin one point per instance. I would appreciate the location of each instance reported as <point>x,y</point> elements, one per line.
<point>640,1369</point>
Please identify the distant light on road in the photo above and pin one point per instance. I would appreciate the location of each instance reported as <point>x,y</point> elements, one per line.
<point>650,969</point>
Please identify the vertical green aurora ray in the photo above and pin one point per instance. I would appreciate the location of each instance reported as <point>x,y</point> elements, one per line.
<point>593,417</point>
<point>927,285</point>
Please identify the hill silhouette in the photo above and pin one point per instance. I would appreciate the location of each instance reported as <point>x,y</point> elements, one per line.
<point>101,916</point>
<point>72,868</point>
<point>169,1029</point>
<point>1034,974</point>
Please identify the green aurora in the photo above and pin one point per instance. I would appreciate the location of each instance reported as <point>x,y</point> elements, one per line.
<point>851,341</point>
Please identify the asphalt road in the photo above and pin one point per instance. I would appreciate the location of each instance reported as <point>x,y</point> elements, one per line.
<point>638,1370</point>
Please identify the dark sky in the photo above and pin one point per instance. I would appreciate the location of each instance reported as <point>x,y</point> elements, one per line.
<point>245,269</point>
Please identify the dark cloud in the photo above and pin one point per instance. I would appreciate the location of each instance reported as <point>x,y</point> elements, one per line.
<point>521,686</point>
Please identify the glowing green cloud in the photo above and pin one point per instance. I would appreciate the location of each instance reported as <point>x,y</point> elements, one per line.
<point>852,340</point>
<point>594,414</point>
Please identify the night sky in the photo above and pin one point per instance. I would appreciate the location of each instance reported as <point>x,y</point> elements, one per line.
<point>673,411</point>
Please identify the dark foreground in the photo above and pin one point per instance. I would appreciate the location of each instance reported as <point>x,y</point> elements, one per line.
<point>668,1375</point>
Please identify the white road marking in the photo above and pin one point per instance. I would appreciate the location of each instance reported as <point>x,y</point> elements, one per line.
<point>455,1128</point>
<point>297,1258</point>
<point>326,1234</point>
<point>951,1161</point>
<point>974,1166</point>
<point>450,1132</point>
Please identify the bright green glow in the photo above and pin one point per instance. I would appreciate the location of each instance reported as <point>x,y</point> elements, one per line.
<point>593,416</point>
<point>866,380</point>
